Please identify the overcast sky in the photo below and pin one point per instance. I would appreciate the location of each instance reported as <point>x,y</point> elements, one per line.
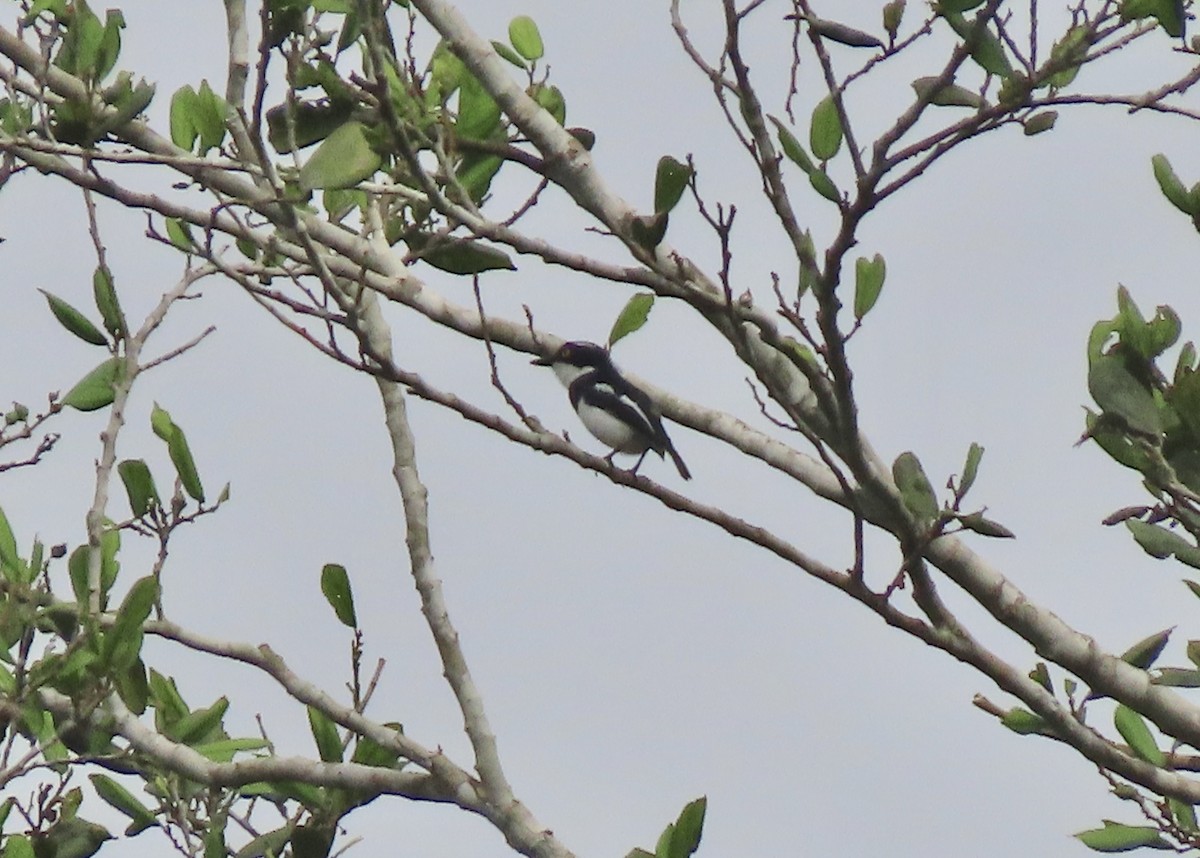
<point>632,659</point>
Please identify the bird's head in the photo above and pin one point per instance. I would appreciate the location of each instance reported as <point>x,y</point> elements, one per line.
<point>576,358</point>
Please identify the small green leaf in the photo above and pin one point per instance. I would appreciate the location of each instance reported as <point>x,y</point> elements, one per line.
<point>950,95</point>
<point>915,488</point>
<point>524,35</point>
<point>1023,722</point>
<point>825,132</point>
<point>203,725</point>
<point>842,34</point>
<point>632,316</point>
<point>1170,185</point>
<point>179,233</point>
<point>1161,543</point>
<point>183,122</point>
<point>1176,677</point>
<point>868,283</point>
<point>792,148</point>
<point>1114,837</point>
<point>325,734</point>
<point>185,465</point>
<point>125,802</point>
<point>459,255</point>
<point>74,321</point>
<point>209,118</point>
<point>893,14</point>
<point>508,54</point>
<point>8,544</point>
<point>343,159</point>
<point>139,485</point>
<point>105,295</point>
<point>71,837</point>
<point>123,641</point>
<point>1041,675</point>
<point>824,185</point>
<point>96,389</point>
<point>685,839</point>
<point>551,99</point>
<point>1121,395</point>
<point>161,422</point>
<point>984,526</point>
<point>1134,731</point>
<point>648,232</point>
<point>986,48</point>
<point>1145,652</point>
<point>670,181</point>
<point>335,584</point>
<point>970,468</point>
<point>1040,122</point>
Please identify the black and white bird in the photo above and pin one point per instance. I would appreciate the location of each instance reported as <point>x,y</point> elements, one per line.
<point>610,406</point>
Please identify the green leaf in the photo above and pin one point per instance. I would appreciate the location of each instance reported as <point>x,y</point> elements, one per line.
<point>944,7</point>
<point>70,836</point>
<point>125,802</point>
<point>459,255</point>
<point>551,99</point>
<point>1161,543</point>
<point>1023,722</point>
<point>825,132</point>
<point>134,688</point>
<point>915,488</point>
<point>508,54</point>
<point>842,34</point>
<point>792,148</point>
<point>184,106</point>
<point>74,321</point>
<point>185,465</point>
<point>824,186</point>
<point>106,301</point>
<point>96,389</point>
<point>1041,675</point>
<point>478,113</point>
<point>1068,55</point>
<point>209,118</point>
<point>984,526</point>
<point>110,43</point>
<point>950,95</point>
<point>335,584</point>
<point>1145,652</point>
<point>1040,122</point>
<point>1121,395</point>
<point>199,726</point>
<point>986,48</point>
<point>161,422</point>
<point>325,734</point>
<point>343,159</point>
<point>670,181</point>
<point>648,232</point>
<point>8,545</point>
<point>311,123</point>
<point>1184,815</point>
<point>17,845</point>
<point>123,641</point>
<point>224,750</point>
<point>1114,837</point>
<point>179,233</point>
<point>1170,185</point>
<point>685,839</point>
<point>1134,731</point>
<point>169,705</point>
<point>893,14</point>
<point>139,486</point>
<point>1176,677</point>
<point>970,468</point>
<point>868,283</point>
<point>524,35</point>
<point>632,317</point>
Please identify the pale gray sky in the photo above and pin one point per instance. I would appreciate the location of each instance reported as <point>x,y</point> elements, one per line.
<point>631,659</point>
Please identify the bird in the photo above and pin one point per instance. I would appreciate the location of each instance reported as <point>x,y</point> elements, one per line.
<point>611,407</point>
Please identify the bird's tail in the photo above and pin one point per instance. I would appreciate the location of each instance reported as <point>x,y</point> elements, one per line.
<point>678,460</point>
